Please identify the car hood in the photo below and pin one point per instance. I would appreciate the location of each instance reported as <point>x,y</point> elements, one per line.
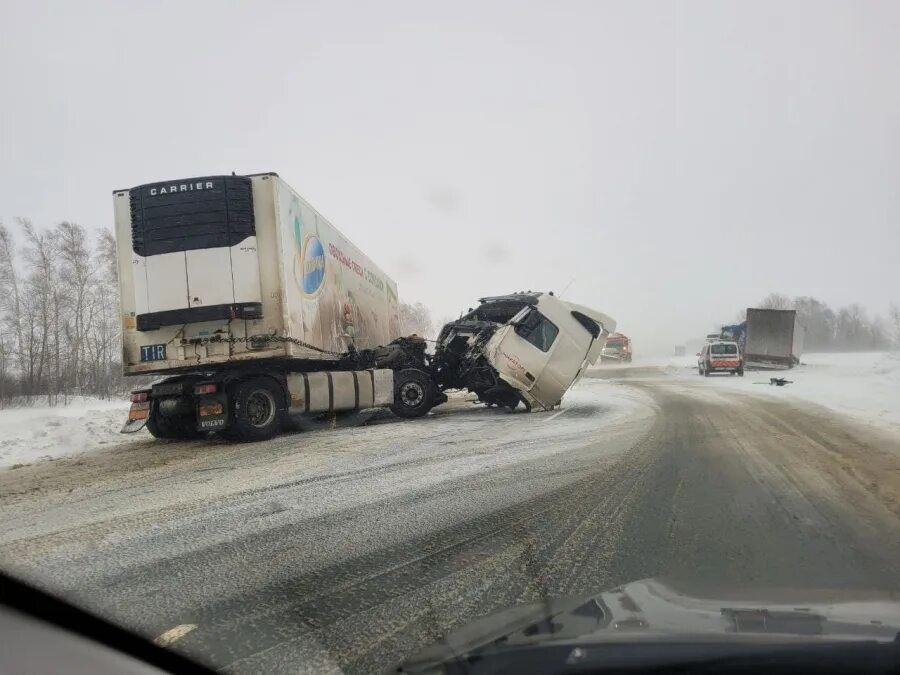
<point>661,609</point>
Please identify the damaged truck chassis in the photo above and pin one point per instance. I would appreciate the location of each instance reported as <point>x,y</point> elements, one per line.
<point>503,352</point>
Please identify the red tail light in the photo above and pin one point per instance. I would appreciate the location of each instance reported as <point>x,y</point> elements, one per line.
<point>140,396</point>
<point>208,388</point>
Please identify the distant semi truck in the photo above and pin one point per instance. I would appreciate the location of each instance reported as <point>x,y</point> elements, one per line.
<point>618,348</point>
<point>769,338</point>
<point>255,307</point>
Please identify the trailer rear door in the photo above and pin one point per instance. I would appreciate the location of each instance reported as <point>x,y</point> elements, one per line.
<point>194,251</point>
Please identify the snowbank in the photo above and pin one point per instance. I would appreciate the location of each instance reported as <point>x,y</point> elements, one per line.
<point>865,385</point>
<point>30,434</point>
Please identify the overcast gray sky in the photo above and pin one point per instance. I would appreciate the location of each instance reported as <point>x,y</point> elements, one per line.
<point>678,160</point>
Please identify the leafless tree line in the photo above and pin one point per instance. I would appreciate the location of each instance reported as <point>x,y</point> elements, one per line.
<point>849,328</point>
<point>59,314</point>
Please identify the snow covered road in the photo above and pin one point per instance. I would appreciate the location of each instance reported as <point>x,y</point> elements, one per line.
<point>861,385</point>
<point>350,548</point>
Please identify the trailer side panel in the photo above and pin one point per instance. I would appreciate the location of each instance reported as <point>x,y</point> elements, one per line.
<point>334,294</point>
<point>771,336</point>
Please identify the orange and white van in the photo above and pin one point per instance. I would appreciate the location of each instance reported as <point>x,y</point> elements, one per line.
<point>720,356</point>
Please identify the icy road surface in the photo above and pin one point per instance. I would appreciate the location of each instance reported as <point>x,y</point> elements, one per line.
<point>350,548</point>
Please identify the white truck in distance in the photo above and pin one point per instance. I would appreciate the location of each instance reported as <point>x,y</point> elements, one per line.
<point>256,308</point>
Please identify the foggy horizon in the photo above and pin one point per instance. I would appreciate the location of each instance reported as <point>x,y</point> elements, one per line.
<point>667,165</point>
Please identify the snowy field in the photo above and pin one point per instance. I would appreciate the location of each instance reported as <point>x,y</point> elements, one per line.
<point>37,433</point>
<point>863,385</point>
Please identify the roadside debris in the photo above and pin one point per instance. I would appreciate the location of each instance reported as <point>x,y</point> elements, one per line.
<point>777,381</point>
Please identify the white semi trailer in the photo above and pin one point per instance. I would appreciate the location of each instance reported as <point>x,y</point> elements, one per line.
<point>773,338</point>
<point>254,307</point>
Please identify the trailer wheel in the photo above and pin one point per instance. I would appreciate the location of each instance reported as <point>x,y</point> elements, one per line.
<point>258,406</point>
<point>414,393</point>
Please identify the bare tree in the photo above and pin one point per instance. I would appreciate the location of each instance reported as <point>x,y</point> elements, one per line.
<point>876,335</point>
<point>60,328</point>
<point>776,301</point>
<point>6,383</point>
<point>851,328</point>
<point>106,334</point>
<point>415,319</point>
<point>108,258</point>
<point>10,300</point>
<point>819,321</point>
<point>76,272</point>
<point>39,302</point>
<point>894,324</point>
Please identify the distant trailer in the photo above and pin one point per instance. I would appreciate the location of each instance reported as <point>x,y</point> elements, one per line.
<point>774,338</point>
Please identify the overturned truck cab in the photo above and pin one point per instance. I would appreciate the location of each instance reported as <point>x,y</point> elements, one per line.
<point>527,348</point>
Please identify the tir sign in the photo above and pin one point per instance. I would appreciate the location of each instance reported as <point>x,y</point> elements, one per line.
<point>153,353</point>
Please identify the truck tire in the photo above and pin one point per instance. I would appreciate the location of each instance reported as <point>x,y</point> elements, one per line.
<point>706,371</point>
<point>414,393</point>
<point>740,372</point>
<point>257,410</point>
<point>174,428</point>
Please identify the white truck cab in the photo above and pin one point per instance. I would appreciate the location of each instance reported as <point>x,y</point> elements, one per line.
<point>546,346</point>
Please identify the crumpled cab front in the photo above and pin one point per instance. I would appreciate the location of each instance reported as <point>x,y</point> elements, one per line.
<point>505,354</point>
<point>524,367</point>
<point>544,349</point>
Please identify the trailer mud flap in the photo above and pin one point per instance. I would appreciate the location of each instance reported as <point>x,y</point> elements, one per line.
<point>212,412</point>
<point>138,415</point>
<point>133,426</point>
